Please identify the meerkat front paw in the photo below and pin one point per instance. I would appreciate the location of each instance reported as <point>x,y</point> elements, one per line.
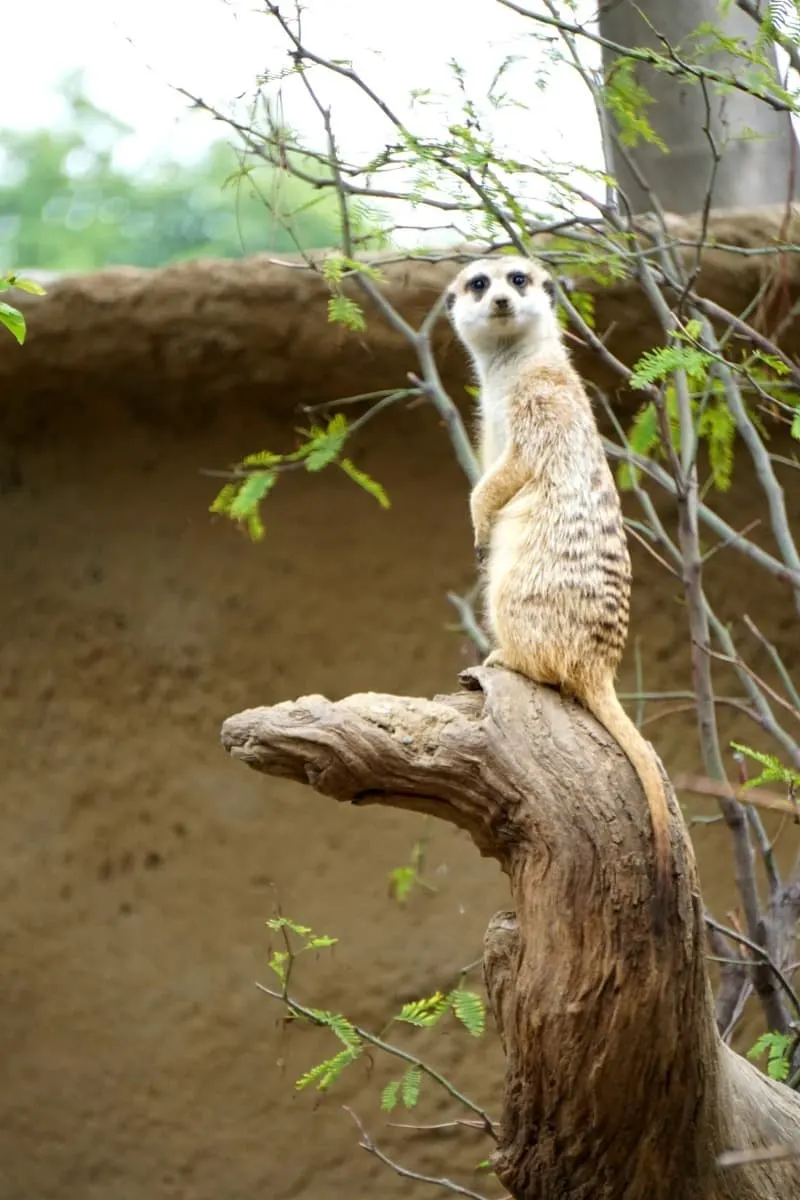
<point>495,659</point>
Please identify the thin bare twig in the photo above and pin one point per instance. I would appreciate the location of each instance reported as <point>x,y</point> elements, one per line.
<point>762,956</point>
<point>670,65</point>
<point>447,1185</point>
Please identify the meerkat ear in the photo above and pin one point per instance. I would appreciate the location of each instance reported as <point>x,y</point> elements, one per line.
<point>549,287</point>
<point>449,301</point>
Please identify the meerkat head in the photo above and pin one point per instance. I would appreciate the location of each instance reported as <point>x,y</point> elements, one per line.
<point>502,302</point>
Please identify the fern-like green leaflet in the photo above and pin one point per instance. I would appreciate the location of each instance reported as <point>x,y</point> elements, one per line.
<point>643,437</point>
<point>326,444</point>
<point>776,1046</point>
<point>401,881</point>
<point>410,1086</point>
<point>773,771</point>
<point>424,1013</point>
<point>470,1010</point>
<point>278,963</point>
<point>365,481</point>
<point>656,365</point>
<point>344,311</point>
<point>278,923</point>
<point>338,1025</point>
<point>718,426</point>
<point>390,1096</point>
<point>251,492</point>
<point>626,99</point>
<point>326,1073</point>
<point>222,501</point>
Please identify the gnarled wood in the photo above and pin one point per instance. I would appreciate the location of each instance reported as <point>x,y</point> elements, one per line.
<point>618,1086</point>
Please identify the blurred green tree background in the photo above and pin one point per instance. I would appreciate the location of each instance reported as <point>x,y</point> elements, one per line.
<point>65,205</point>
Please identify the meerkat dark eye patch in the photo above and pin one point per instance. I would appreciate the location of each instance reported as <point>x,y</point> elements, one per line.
<point>518,279</point>
<point>479,284</point>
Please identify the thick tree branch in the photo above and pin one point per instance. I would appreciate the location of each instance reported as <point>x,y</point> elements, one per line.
<point>615,1067</point>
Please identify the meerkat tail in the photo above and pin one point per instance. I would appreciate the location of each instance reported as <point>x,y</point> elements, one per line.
<point>605,706</point>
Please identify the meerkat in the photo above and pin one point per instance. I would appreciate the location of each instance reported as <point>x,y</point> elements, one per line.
<point>546,513</point>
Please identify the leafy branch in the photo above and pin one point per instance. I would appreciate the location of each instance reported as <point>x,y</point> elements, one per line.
<point>252,480</point>
<point>10,316</point>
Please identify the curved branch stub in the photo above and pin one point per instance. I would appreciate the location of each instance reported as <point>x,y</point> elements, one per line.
<point>410,753</point>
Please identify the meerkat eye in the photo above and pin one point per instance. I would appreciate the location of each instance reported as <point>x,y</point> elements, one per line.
<point>479,284</point>
<point>518,279</point>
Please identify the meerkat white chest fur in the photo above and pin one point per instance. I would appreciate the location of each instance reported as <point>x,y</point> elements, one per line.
<point>546,513</point>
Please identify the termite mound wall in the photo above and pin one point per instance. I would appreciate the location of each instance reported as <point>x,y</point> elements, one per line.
<point>138,864</point>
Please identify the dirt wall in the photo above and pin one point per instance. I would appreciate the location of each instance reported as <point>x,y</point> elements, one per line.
<point>139,864</point>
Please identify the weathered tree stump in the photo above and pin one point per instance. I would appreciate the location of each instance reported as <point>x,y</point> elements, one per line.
<point>618,1086</point>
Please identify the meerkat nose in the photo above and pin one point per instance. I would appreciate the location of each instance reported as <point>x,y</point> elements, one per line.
<point>501,304</point>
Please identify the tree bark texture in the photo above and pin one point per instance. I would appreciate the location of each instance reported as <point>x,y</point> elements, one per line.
<point>618,1086</point>
<point>752,171</point>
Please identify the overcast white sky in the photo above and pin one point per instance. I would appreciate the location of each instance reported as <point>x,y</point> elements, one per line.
<point>133,52</point>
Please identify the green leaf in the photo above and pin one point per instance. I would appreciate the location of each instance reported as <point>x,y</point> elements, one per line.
<point>224,498</point>
<point>336,266</point>
<point>401,881</point>
<point>796,425</point>
<point>326,1073</point>
<point>776,1047</point>
<point>772,361</point>
<point>365,481</point>
<point>338,1025</point>
<point>718,427</point>
<point>655,365</point>
<point>626,99</point>
<point>410,1086</point>
<point>470,1010</point>
<point>644,433</point>
<point>261,458</point>
<point>320,943</point>
<point>644,436</point>
<point>250,493</point>
<point>326,445</point>
<point>774,771</point>
<point>13,320</point>
<point>278,923</point>
<point>584,304</point>
<point>27,285</point>
<point>254,526</point>
<point>333,268</point>
<point>390,1096</point>
<point>277,963</point>
<point>344,311</point>
<point>760,1046</point>
<point>424,1013</point>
